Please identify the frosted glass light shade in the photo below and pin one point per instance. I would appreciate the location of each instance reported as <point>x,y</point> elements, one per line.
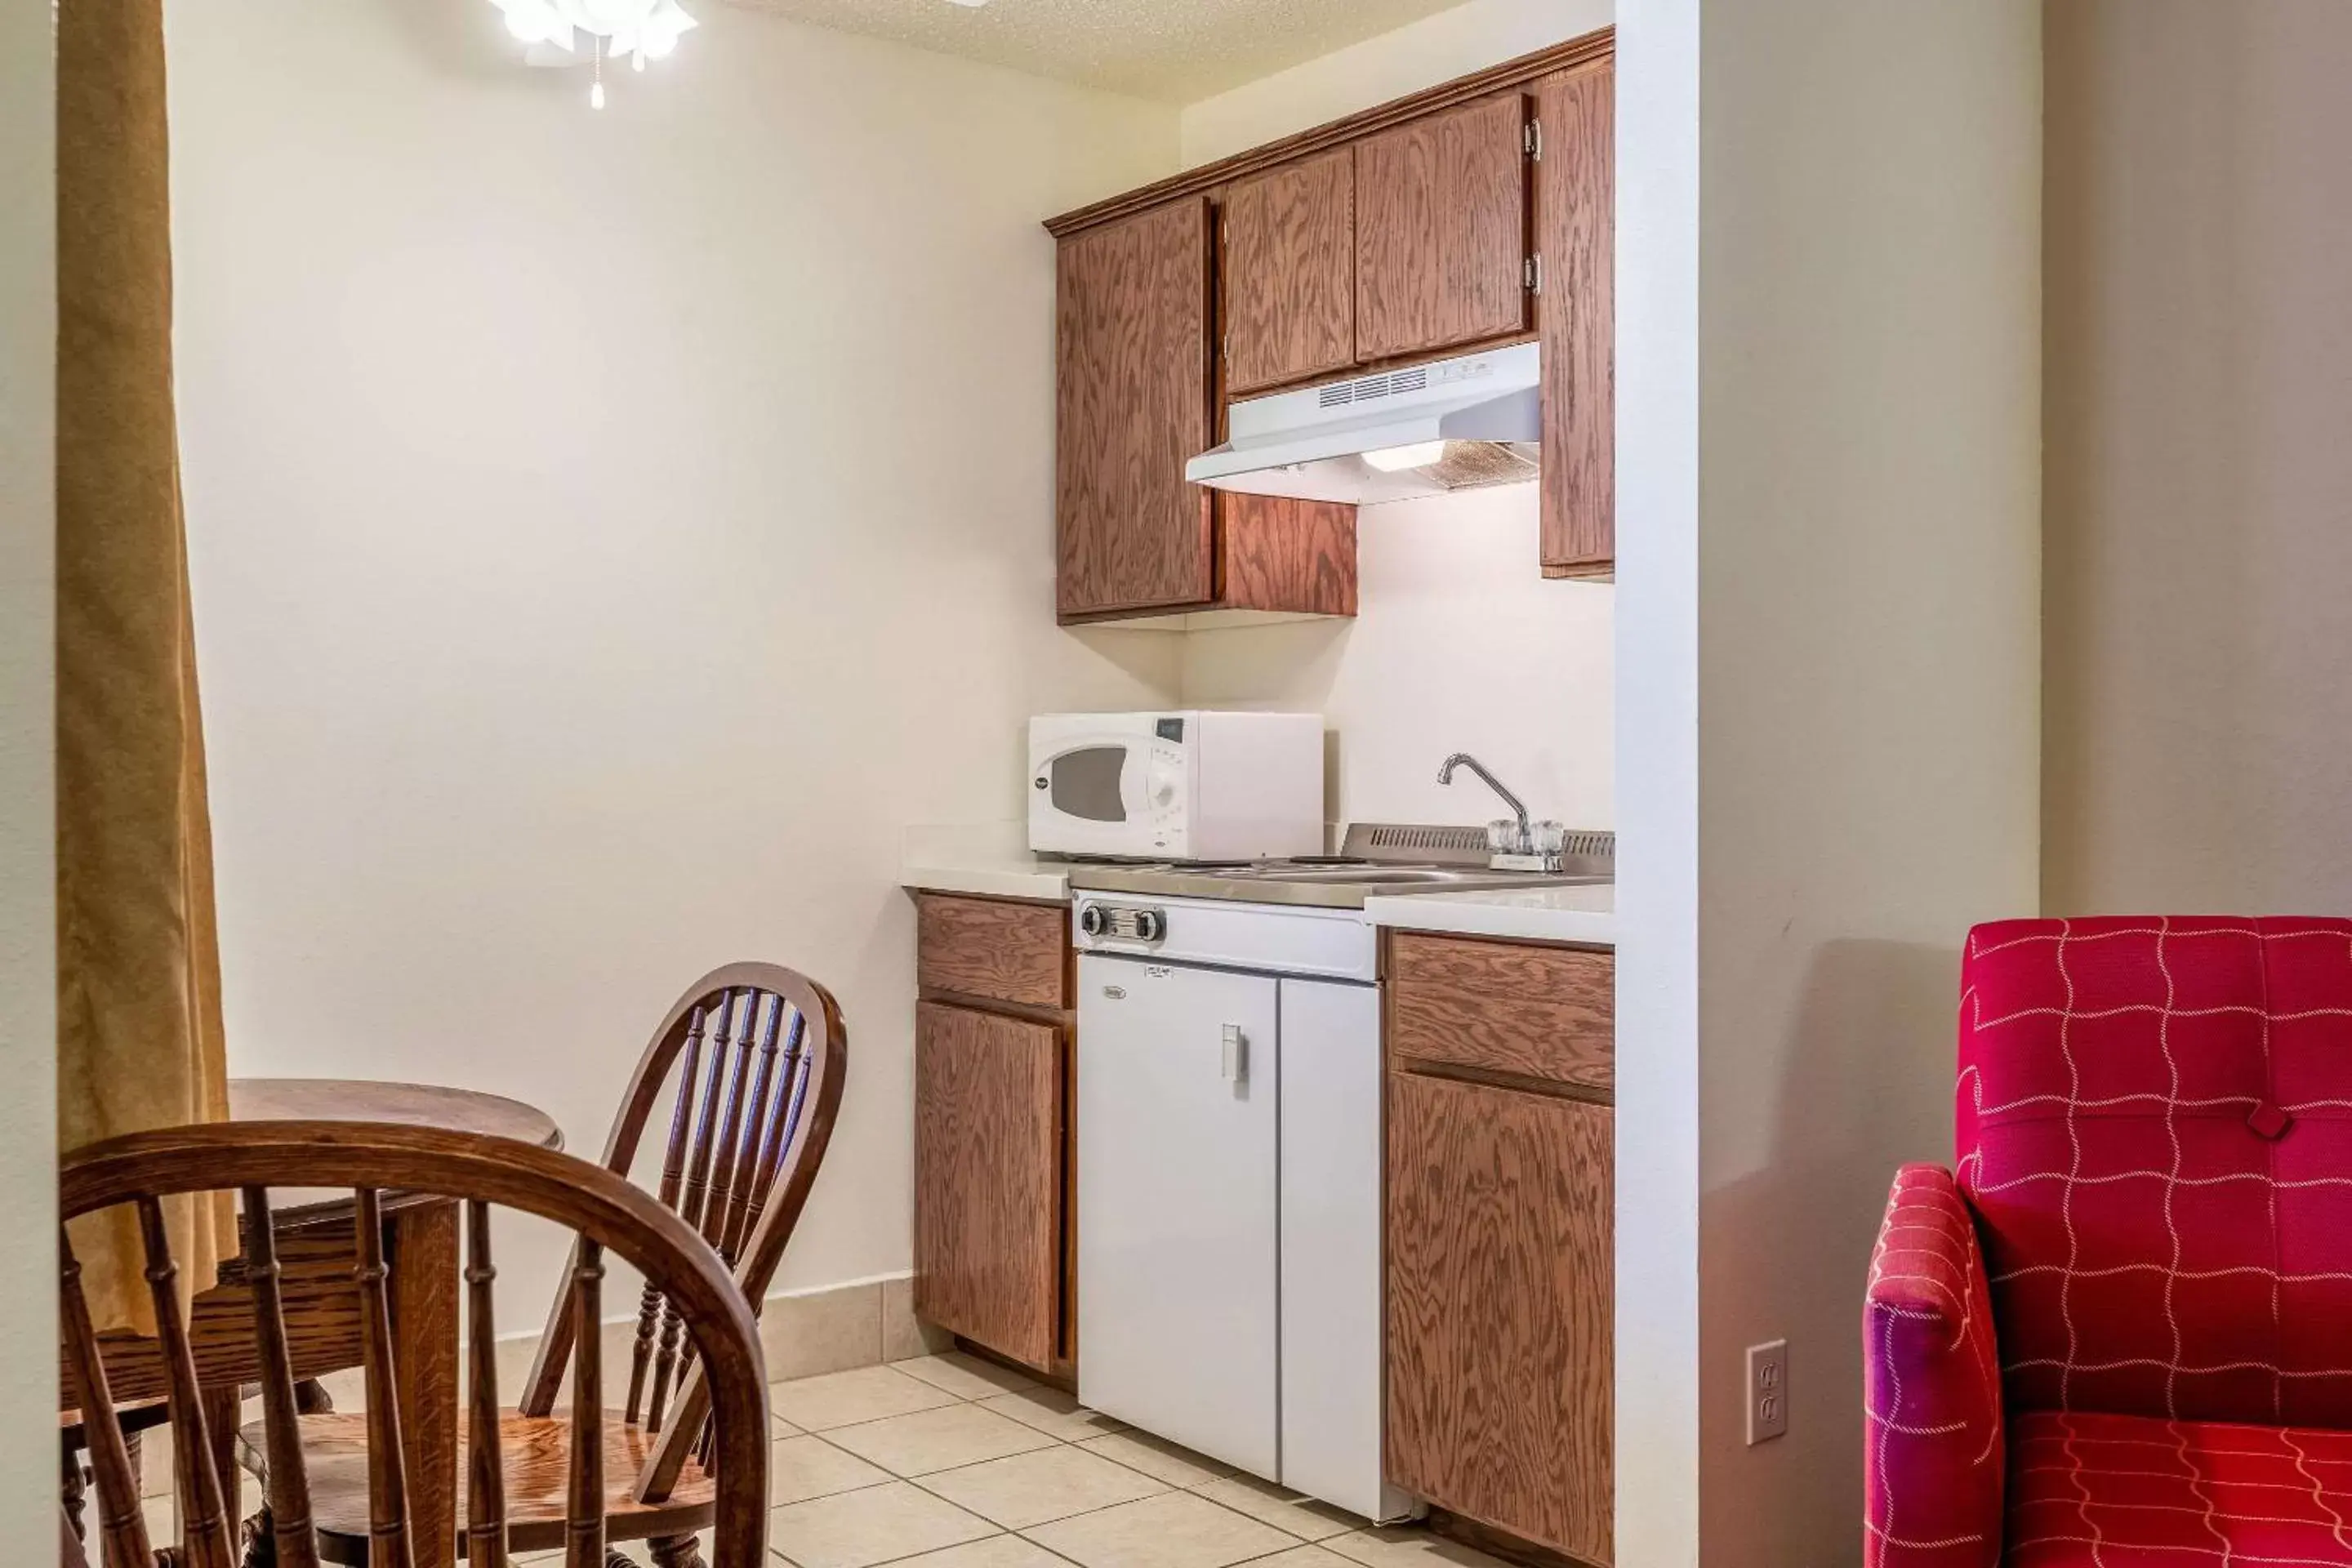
<point>643,29</point>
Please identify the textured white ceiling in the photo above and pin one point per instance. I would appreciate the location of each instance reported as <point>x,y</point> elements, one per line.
<point>1175,50</point>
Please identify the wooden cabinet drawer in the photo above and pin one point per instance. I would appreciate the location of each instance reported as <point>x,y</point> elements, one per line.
<point>988,1120</point>
<point>1500,1006</point>
<point>1501,1306</point>
<point>992,949</point>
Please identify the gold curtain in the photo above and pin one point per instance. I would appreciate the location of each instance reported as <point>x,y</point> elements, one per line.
<point>139,1025</point>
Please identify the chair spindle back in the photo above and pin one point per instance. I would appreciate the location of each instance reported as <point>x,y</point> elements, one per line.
<point>605,1211</point>
<point>758,1054</point>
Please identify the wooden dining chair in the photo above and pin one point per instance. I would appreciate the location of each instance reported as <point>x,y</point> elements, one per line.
<point>604,1211</point>
<point>751,1060</point>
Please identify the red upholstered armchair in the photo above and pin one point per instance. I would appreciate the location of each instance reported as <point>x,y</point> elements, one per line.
<point>2119,1334</point>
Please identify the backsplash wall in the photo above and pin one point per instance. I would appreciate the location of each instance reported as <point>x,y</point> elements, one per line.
<point>1459,644</point>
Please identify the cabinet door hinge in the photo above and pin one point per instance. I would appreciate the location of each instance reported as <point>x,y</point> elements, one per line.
<point>1531,274</point>
<point>1531,140</point>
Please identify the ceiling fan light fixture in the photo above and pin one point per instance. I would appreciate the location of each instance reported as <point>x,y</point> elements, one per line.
<point>537,22</point>
<point>642,29</point>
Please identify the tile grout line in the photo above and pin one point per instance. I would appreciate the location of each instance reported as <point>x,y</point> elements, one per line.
<point>1052,1443</point>
<point>995,1530</point>
<point>1167,1489</point>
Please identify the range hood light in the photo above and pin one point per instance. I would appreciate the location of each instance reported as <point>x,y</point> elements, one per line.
<point>1429,429</point>
<point>1397,459</point>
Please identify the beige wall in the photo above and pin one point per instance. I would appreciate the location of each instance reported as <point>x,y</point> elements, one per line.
<point>1869,669</point>
<point>2199,518</point>
<point>1842,729</point>
<point>1461,644</point>
<point>28,1181</point>
<point>1469,38</point>
<point>610,531</point>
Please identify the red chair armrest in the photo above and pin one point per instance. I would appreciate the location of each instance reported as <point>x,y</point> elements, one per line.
<point>1933,1458</point>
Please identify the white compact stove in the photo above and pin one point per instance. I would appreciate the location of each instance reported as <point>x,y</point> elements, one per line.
<point>1229,1151</point>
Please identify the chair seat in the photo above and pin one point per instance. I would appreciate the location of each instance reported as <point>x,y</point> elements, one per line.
<point>537,1450</point>
<point>2132,1491</point>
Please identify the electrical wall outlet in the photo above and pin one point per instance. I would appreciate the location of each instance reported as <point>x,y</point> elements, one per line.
<point>1768,1392</point>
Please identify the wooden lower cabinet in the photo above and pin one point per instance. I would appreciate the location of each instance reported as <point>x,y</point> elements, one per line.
<point>1500,1308</point>
<point>989,1124</point>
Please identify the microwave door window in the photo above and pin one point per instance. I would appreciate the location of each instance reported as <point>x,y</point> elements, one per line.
<point>1086,783</point>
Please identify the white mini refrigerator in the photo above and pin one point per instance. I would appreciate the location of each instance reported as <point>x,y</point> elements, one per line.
<point>1229,1192</point>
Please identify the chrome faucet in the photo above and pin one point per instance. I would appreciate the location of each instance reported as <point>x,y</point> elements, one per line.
<point>1464,760</point>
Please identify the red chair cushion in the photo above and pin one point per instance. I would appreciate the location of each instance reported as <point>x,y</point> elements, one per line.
<point>2131,1491</point>
<point>2155,1131</point>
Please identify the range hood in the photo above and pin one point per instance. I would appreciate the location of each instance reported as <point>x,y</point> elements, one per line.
<point>1428,429</point>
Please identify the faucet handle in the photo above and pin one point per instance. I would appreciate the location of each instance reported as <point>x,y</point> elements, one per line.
<point>1503,836</point>
<point>1549,838</point>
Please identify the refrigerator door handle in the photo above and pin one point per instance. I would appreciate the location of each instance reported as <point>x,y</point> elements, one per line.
<point>1236,1054</point>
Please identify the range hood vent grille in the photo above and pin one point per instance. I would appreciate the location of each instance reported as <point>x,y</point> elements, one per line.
<point>1367,388</point>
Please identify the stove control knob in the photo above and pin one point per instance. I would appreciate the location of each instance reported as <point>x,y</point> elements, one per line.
<point>1091,921</point>
<point>1151,925</point>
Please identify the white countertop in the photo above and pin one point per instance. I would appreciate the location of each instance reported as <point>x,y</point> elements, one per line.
<point>989,861</point>
<point>993,861</point>
<point>1586,914</point>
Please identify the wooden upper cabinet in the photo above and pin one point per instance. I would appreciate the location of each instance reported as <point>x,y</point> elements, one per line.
<point>1410,231</point>
<point>1289,273</point>
<point>1442,230</point>
<point>1133,377</point>
<point>1576,236</point>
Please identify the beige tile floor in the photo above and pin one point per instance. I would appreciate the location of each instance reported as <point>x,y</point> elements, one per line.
<point>950,1462</point>
<point>947,1461</point>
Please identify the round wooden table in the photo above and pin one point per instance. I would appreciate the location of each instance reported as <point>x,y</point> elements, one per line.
<point>421,1252</point>
<point>410,1104</point>
<point>360,1099</point>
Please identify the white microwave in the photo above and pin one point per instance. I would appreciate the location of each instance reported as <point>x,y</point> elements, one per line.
<point>1196,786</point>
